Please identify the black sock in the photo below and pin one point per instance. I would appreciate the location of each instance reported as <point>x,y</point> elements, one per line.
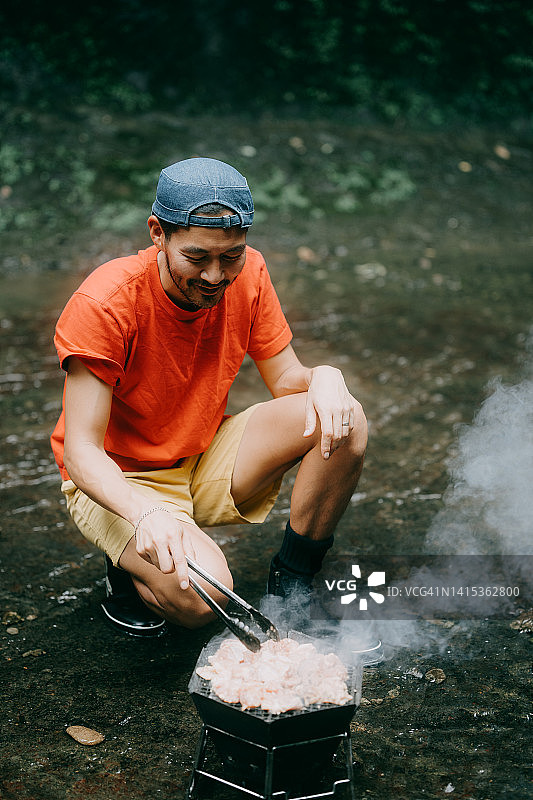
<point>300,554</point>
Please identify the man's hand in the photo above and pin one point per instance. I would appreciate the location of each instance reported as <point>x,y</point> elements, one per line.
<point>329,399</point>
<point>164,541</point>
<point>327,396</point>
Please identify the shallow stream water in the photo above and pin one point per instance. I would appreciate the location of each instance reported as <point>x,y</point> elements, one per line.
<point>421,297</point>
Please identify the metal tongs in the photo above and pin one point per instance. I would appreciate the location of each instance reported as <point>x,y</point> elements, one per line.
<point>235,625</point>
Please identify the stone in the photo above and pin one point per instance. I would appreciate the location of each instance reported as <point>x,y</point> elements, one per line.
<point>85,735</point>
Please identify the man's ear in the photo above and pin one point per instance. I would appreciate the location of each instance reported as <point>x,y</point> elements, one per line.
<point>156,231</point>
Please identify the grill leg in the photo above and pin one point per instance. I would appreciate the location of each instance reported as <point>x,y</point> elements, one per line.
<point>349,762</point>
<point>199,762</point>
<point>269,774</point>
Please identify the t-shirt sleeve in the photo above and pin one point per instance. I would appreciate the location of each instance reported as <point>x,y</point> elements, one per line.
<point>270,331</point>
<point>88,331</point>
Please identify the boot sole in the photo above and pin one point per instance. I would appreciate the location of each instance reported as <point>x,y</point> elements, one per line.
<point>149,630</point>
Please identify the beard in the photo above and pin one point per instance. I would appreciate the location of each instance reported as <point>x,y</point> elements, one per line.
<point>203,295</point>
<point>196,294</point>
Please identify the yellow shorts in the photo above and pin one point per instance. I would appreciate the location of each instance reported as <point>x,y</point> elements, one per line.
<point>198,490</point>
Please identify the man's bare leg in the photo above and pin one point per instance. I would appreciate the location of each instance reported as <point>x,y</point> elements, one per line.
<point>273,442</point>
<point>162,593</point>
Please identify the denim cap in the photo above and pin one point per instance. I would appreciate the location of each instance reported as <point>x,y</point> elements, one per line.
<point>188,184</point>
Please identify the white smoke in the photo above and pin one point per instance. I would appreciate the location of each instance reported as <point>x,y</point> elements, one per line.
<point>488,508</point>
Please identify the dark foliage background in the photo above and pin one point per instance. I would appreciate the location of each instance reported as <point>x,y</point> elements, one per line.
<point>389,56</point>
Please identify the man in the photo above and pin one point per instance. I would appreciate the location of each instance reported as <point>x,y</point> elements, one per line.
<point>151,344</point>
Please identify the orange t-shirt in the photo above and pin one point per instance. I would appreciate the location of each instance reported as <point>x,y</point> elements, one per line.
<point>171,370</point>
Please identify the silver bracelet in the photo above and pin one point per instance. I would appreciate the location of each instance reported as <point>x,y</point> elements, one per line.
<point>146,514</point>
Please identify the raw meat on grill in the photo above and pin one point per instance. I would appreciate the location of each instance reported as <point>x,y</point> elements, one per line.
<point>282,676</point>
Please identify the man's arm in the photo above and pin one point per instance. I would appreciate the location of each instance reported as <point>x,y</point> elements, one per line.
<point>87,410</point>
<point>327,395</point>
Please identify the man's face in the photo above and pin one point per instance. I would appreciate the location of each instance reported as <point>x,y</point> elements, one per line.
<point>200,263</point>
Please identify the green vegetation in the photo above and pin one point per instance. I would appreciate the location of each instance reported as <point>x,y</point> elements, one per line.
<point>51,181</point>
<point>390,57</point>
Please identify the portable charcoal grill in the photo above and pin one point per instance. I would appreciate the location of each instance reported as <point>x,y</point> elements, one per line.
<point>270,756</point>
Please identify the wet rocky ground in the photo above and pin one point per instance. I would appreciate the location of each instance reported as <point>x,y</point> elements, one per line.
<point>402,257</point>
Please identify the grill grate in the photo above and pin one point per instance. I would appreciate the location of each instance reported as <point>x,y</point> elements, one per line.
<point>202,687</point>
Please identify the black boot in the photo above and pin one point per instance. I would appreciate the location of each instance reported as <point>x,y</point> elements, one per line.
<point>361,644</point>
<point>124,608</point>
<point>283,582</point>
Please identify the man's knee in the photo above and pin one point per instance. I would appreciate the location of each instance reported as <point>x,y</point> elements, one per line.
<point>355,444</point>
<point>184,607</point>
<point>358,438</point>
<point>187,609</point>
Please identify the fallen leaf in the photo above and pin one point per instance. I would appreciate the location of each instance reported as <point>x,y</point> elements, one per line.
<point>435,676</point>
<point>524,622</point>
<point>502,152</point>
<point>306,254</point>
<point>10,617</point>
